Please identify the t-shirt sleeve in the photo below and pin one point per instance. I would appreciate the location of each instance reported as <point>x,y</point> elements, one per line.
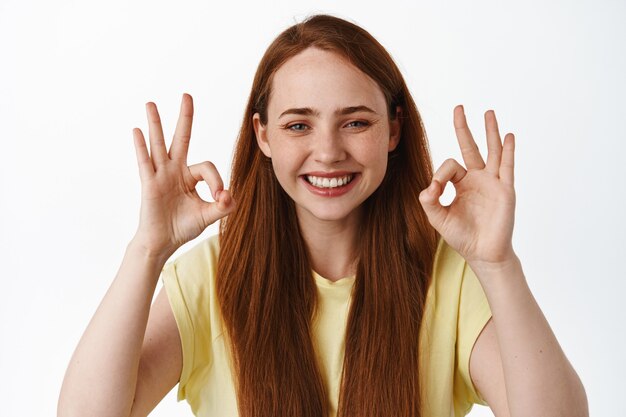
<point>188,282</point>
<point>474,313</point>
<point>176,296</point>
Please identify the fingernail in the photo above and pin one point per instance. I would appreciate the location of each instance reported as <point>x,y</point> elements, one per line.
<point>226,202</point>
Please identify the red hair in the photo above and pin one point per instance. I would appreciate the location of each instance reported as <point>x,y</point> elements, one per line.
<point>265,286</point>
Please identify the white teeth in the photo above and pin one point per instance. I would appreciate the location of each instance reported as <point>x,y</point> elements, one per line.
<point>324,182</point>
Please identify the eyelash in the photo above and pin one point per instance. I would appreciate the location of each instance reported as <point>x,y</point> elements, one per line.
<point>290,127</point>
<point>362,122</point>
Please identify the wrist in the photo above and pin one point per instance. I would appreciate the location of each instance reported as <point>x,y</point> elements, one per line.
<point>487,270</point>
<point>140,249</point>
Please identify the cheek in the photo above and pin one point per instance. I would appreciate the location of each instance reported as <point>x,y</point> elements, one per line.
<point>375,156</point>
<point>374,149</point>
<point>284,161</point>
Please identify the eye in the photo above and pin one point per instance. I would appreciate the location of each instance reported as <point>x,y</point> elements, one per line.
<point>357,123</point>
<point>298,127</point>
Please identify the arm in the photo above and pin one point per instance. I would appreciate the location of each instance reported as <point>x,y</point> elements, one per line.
<point>130,355</point>
<point>517,363</point>
<point>517,348</point>
<point>104,371</point>
<point>161,359</point>
<point>486,373</point>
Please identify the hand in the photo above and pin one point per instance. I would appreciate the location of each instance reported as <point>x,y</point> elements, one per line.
<point>479,222</point>
<point>172,212</point>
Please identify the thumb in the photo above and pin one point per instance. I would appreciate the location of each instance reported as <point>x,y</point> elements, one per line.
<point>429,199</point>
<point>223,205</point>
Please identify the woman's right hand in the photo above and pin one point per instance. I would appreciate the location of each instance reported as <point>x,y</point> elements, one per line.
<point>172,212</point>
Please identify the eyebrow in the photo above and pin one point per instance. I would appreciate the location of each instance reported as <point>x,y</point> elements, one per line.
<point>307,111</point>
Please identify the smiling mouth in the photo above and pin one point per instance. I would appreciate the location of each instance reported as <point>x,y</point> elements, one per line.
<point>323,182</point>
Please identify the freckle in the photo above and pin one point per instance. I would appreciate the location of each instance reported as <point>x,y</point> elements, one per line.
<point>540,351</point>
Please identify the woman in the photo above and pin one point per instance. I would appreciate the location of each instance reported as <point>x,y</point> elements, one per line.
<point>338,284</point>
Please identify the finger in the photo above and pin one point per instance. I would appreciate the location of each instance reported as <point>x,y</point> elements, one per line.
<point>507,164</point>
<point>206,171</point>
<point>182,134</point>
<point>143,159</point>
<point>212,212</point>
<point>429,199</point>
<point>451,171</point>
<point>157,143</point>
<point>469,149</point>
<point>494,143</point>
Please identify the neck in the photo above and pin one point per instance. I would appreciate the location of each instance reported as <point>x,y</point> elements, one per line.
<point>332,245</point>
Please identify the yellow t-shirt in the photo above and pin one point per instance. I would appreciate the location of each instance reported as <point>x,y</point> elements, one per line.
<point>455,313</point>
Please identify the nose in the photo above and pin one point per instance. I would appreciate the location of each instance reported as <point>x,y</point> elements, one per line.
<point>328,148</point>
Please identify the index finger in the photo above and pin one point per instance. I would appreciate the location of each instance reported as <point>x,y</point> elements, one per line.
<point>469,149</point>
<point>182,134</point>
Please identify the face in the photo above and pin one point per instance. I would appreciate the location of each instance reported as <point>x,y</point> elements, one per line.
<point>328,134</point>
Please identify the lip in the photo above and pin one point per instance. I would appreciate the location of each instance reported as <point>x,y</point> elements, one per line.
<point>329,174</point>
<point>331,192</point>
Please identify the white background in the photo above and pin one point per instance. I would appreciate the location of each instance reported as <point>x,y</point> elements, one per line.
<point>74,78</point>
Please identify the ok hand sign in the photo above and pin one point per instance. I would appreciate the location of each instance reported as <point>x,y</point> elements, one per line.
<point>172,212</point>
<point>479,222</point>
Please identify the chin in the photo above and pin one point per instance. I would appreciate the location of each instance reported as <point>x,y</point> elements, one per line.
<point>329,214</point>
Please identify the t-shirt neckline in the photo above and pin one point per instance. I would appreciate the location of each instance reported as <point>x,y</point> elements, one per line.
<point>341,282</point>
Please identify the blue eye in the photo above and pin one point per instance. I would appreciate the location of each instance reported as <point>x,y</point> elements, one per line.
<point>357,123</point>
<point>298,127</point>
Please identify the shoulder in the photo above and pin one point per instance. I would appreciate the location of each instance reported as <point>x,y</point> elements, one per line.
<point>456,311</point>
<point>449,269</point>
<point>195,263</point>
<point>206,250</point>
<point>455,293</point>
<point>189,281</point>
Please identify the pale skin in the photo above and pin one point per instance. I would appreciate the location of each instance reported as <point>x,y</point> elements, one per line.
<point>326,116</point>
<point>517,363</point>
<point>115,369</point>
<point>130,355</point>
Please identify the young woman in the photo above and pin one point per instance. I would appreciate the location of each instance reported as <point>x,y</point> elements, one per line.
<point>338,284</point>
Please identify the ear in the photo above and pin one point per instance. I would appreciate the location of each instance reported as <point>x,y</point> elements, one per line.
<point>395,129</point>
<point>260,131</point>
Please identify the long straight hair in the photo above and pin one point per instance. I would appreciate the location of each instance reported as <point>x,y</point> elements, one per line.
<point>265,286</point>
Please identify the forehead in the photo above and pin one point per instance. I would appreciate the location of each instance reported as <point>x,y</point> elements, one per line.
<point>325,81</point>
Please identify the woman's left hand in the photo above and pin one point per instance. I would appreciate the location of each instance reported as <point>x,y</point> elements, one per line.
<point>479,222</point>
